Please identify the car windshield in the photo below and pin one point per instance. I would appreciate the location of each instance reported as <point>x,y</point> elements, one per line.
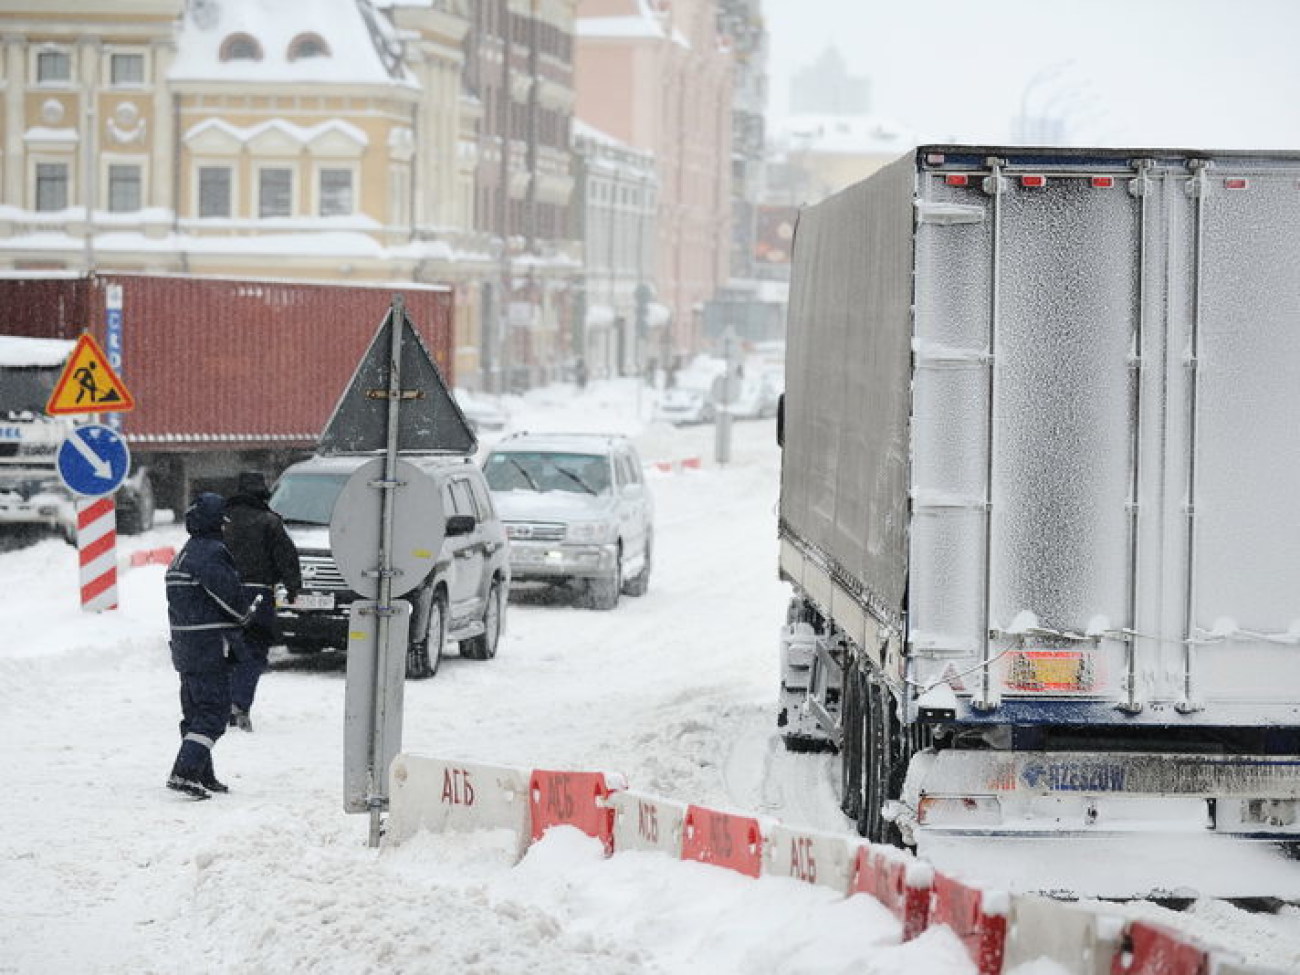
<point>307,499</point>
<point>517,470</point>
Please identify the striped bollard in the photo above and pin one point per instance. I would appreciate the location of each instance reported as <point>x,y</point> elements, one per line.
<point>97,550</point>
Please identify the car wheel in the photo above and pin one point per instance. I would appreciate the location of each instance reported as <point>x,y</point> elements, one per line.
<point>603,594</point>
<point>484,646</point>
<point>424,656</point>
<point>639,584</point>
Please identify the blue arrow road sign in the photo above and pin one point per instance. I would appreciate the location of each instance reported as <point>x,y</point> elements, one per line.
<point>93,460</point>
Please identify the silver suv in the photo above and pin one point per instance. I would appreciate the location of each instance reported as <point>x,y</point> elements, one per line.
<point>462,599</point>
<point>578,512</point>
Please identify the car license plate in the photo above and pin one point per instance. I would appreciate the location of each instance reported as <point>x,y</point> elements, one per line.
<point>313,600</point>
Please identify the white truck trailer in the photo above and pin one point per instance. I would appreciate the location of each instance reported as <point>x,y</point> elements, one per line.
<point>1040,492</point>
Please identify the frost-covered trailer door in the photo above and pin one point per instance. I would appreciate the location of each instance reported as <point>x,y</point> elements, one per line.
<point>1106,436</point>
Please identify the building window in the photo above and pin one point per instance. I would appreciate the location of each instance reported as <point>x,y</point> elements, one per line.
<point>335,192</point>
<point>126,69</point>
<point>308,46</point>
<point>51,186</point>
<point>241,47</point>
<point>124,189</point>
<point>275,193</point>
<point>214,191</point>
<point>53,67</point>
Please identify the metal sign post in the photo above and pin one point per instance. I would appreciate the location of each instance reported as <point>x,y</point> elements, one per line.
<point>383,611</point>
<point>728,393</point>
<point>387,506</point>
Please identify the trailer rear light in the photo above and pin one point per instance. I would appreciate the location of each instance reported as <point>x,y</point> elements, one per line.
<point>1034,181</point>
<point>957,179</point>
<point>1235,183</point>
<point>1103,182</point>
<point>959,811</point>
<point>1045,671</point>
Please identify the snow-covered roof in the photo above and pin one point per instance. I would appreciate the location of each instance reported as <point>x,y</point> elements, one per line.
<point>646,22</point>
<point>362,44</point>
<point>18,351</point>
<point>588,131</point>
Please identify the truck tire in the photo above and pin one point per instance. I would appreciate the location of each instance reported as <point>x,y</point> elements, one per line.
<point>135,508</point>
<point>853,743</point>
<point>484,646</point>
<point>886,754</point>
<point>424,656</point>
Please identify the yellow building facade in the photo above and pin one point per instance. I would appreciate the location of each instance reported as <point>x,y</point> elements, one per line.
<point>318,140</point>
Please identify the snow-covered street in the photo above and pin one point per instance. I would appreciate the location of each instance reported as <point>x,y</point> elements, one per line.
<point>104,870</point>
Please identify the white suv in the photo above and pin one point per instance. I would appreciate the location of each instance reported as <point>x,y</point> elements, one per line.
<point>578,512</point>
<point>462,599</point>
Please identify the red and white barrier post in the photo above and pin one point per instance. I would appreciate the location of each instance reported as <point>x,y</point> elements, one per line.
<point>97,553</point>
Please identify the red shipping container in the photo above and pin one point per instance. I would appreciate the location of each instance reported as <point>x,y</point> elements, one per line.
<point>243,363</point>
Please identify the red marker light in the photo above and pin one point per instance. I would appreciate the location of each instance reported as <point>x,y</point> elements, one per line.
<point>957,179</point>
<point>1235,183</point>
<point>1036,182</point>
<point>1103,182</point>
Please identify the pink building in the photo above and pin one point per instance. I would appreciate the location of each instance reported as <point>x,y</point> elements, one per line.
<point>657,75</point>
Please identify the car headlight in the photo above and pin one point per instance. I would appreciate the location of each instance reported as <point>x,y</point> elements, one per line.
<point>590,532</point>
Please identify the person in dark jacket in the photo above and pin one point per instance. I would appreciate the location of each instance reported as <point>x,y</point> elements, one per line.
<point>265,556</point>
<point>207,609</point>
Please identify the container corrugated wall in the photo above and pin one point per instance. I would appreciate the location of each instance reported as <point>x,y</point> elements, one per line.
<point>239,361</point>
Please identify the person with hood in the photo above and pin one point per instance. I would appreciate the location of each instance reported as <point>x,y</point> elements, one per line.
<point>265,556</point>
<point>207,610</point>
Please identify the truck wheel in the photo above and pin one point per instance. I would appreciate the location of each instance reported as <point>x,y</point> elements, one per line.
<point>484,646</point>
<point>884,763</point>
<point>135,509</point>
<point>853,744</point>
<point>424,656</point>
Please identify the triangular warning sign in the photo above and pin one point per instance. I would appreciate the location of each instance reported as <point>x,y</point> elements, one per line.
<point>428,419</point>
<point>88,383</point>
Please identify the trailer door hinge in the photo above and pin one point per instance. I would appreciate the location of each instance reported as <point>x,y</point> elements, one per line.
<point>402,394</point>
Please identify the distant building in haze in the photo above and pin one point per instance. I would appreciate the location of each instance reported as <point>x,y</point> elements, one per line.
<point>826,88</point>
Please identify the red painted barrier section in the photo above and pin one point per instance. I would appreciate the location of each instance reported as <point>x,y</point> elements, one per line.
<point>1153,950</point>
<point>571,799</point>
<point>153,556</point>
<point>723,839</point>
<point>963,910</point>
<point>885,877</point>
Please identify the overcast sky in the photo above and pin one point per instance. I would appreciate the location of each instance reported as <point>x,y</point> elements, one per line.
<point>1178,73</point>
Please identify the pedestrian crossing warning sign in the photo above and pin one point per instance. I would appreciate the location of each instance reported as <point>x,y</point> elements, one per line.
<point>88,383</point>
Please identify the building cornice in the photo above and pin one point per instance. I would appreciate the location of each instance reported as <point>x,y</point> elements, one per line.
<point>405,94</point>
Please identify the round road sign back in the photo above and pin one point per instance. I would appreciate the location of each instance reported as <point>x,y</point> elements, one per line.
<point>418,528</point>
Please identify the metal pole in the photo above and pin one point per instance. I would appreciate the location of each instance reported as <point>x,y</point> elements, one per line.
<point>383,610</point>
<point>722,440</point>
